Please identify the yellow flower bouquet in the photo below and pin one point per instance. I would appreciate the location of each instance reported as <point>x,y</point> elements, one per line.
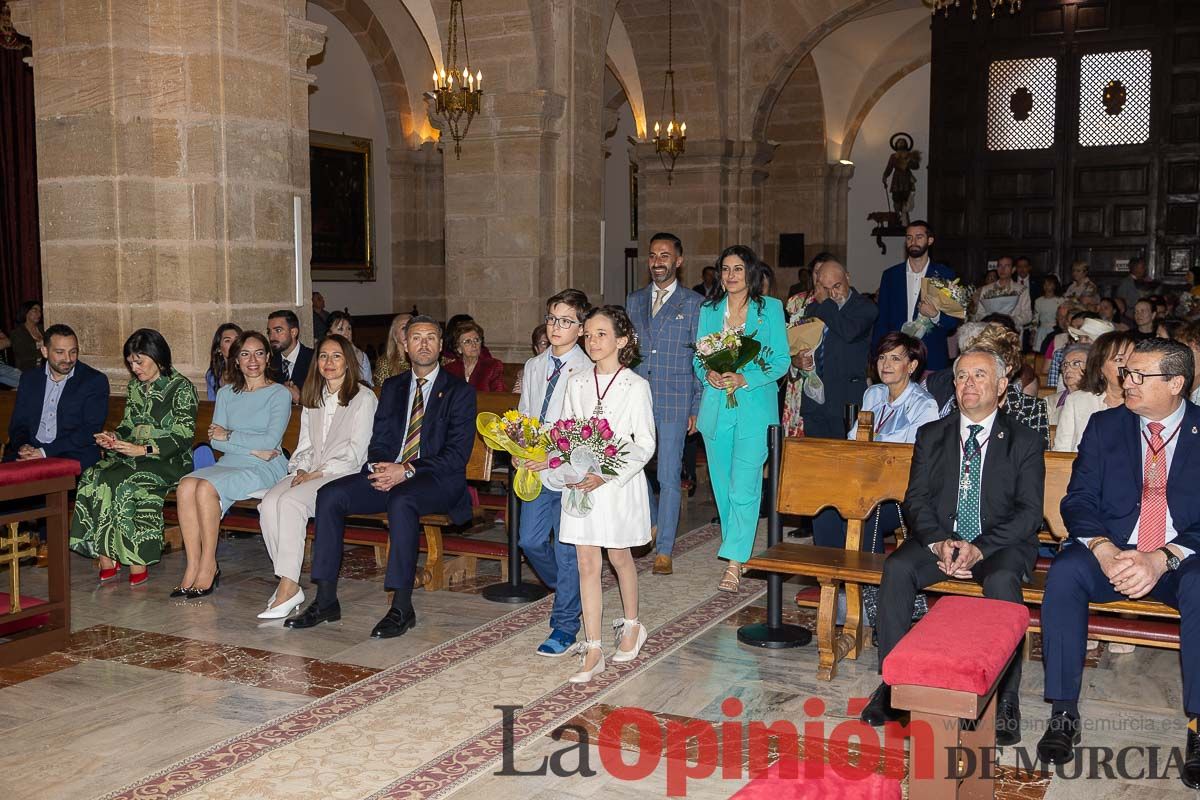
<point>521,437</point>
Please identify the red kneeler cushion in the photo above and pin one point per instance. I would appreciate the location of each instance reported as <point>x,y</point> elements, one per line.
<point>37,469</point>
<point>36,621</point>
<point>963,644</point>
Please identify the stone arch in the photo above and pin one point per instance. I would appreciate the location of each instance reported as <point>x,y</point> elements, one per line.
<point>832,18</point>
<point>882,88</point>
<point>623,63</point>
<point>407,121</point>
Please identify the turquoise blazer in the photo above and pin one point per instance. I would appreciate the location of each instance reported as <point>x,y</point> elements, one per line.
<point>758,401</point>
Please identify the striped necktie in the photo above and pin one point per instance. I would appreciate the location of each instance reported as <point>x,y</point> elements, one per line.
<point>1152,521</point>
<point>550,384</point>
<point>412,440</point>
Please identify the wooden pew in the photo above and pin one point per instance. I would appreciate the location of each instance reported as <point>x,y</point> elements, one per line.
<point>871,472</point>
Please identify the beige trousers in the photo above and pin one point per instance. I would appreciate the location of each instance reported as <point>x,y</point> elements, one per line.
<point>283,516</point>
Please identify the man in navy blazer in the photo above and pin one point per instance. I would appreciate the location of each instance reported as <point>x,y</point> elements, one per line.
<point>1133,516</point>
<point>665,316</point>
<point>416,465</point>
<point>900,292</point>
<point>59,408</point>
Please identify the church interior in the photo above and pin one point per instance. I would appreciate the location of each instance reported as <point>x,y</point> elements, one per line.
<point>179,164</point>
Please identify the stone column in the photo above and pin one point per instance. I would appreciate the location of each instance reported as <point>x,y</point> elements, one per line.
<point>524,202</point>
<point>714,198</point>
<point>172,136</point>
<point>837,196</point>
<point>418,230</point>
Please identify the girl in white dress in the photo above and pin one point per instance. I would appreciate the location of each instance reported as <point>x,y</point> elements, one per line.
<point>620,516</point>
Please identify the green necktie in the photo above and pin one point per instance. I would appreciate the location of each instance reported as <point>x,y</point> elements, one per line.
<point>969,485</point>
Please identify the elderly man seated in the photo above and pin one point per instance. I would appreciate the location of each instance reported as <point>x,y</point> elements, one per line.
<point>973,506</point>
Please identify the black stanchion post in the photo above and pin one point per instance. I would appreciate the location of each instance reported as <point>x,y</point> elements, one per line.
<point>774,634</point>
<point>514,591</point>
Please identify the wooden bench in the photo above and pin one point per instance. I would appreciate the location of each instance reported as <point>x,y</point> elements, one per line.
<point>370,530</point>
<point>871,472</point>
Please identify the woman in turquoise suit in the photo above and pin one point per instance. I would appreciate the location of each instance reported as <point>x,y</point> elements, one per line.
<point>735,439</point>
<point>249,420</point>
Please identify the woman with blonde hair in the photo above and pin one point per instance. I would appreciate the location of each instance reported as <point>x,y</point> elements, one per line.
<point>394,359</point>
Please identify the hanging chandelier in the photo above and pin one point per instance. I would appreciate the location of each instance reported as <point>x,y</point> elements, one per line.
<point>944,6</point>
<point>459,104</point>
<point>669,143</point>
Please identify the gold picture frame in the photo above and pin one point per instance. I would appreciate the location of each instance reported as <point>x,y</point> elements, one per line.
<point>342,207</point>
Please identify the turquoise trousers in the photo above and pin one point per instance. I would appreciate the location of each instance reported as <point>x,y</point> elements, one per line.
<point>735,469</point>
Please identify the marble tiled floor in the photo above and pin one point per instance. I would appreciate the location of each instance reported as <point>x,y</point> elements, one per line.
<point>148,682</point>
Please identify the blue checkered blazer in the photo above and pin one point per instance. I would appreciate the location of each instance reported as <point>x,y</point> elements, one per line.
<point>666,342</point>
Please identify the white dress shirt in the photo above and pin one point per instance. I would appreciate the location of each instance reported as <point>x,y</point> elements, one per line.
<point>984,438</point>
<point>288,361</point>
<point>537,379</point>
<point>426,390</point>
<point>914,288</point>
<point>670,290</point>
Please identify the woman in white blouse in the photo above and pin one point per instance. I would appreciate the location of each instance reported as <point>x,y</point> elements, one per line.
<point>335,430</point>
<point>1100,388</point>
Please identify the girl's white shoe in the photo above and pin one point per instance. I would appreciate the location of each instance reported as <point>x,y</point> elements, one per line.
<point>620,625</point>
<point>583,676</point>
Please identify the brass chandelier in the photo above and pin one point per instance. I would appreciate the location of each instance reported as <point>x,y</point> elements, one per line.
<point>457,104</point>
<point>671,143</point>
<point>944,6</point>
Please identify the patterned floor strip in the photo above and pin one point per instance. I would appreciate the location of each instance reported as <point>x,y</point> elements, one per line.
<point>247,666</point>
<point>239,751</point>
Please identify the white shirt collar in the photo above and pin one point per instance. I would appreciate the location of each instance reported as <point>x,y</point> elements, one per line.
<point>430,378</point>
<point>909,270</point>
<point>964,423</point>
<point>1169,423</point>
<point>290,355</point>
<point>669,289</point>
<point>51,373</point>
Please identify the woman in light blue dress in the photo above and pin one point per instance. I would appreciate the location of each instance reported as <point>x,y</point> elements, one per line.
<point>249,420</point>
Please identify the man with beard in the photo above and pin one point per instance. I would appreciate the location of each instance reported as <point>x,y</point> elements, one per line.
<point>665,316</point>
<point>421,440</point>
<point>899,298</point>
<point>289,357</point>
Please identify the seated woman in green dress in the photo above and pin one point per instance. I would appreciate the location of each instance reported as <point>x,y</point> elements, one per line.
<point>249,419</point>
<point>118,507</point>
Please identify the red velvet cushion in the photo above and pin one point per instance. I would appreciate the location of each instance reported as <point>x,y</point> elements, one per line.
<point>37,469</point>
<point>830,784</point>
<point>963,643</point>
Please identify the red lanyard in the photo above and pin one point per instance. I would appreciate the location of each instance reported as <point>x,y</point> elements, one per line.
<point>596,377</point>
<point>966,462</point>
<point>562,363</point>
<point>885,418</point>
<point>1166,441</point>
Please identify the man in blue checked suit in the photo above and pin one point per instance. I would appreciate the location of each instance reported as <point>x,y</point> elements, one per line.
<point>665,315</point>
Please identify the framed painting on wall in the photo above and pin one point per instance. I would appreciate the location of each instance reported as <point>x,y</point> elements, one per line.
<point>343,243</point>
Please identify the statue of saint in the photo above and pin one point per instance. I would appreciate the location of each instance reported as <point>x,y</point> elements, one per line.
<point>900,168</point>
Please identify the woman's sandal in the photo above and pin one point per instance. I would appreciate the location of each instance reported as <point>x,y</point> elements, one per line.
<point>731,579</point>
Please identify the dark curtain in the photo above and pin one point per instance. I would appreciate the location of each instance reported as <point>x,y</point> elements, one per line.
<point>20,264</point>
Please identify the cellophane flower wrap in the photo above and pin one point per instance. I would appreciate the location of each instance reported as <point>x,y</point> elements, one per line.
<point>728,351</point>
<point>576,448</point>
<point>519,436</point>
<point>951,297</point>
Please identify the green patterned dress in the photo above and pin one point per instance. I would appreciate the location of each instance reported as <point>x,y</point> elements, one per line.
<point>118,507</point>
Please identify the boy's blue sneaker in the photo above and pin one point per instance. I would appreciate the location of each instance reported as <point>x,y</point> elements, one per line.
<point>557,645</point>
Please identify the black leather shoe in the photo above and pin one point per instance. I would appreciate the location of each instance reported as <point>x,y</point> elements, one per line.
<point>314,615</point>
<point>879,708</point>
<point>1008,722</point>
<point>1062,736</point>
<point>394,623</point>
<point>178,591</point>
<point>192,593</point>
<point>1189,773</point>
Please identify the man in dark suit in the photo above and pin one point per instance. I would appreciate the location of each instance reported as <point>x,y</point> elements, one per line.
<point>841,359</point>
<point>900,301</point>
<point>60,408</point>
<point>289,356</point>
<point>974,507</point>
<point>1133,516</point>
<point>423,434</point>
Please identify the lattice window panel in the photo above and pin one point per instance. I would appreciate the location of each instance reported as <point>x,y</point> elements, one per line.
<point>1122,115</point>
<point>1021,95</point>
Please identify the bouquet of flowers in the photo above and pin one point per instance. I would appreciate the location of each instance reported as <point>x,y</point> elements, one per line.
<point>729,351</point>
<point>580,447</point>
<point>948,296</point>
<point>519,436</point>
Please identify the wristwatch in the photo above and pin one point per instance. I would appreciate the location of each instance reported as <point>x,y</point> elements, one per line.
<point>150,448</point>
<point>409,472</point>
<point>1172,559</point>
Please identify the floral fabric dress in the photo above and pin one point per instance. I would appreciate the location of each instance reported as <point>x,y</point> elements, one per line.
<point>118,507</point>
<point>793,423</point>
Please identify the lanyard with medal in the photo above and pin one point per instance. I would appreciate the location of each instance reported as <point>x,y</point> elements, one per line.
<point>1156,452</point>
<point>965,483</point>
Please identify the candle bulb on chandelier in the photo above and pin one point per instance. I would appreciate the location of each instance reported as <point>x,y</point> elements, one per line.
<point>683,129</point>
<point>436,85</point>
<point>479,80</point>
<point>670,129</point>
<point>471,82</point>
<point>656,133</point>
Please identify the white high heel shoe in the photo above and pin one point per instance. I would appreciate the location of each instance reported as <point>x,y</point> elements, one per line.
<point>619,626</point>
<point>286,607</point>
<point>583,676</point>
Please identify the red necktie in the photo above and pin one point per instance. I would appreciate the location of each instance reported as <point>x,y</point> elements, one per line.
<point>1152,523</point>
